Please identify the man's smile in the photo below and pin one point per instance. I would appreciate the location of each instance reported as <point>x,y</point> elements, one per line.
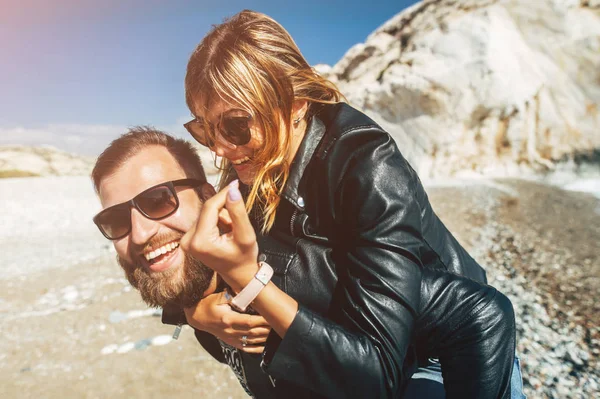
<point>163,257</point>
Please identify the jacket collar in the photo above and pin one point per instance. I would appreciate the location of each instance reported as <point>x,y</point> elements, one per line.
<point>337,119</point>
<point>314,133</point>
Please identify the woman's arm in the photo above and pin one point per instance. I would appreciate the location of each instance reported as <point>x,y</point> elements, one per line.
<point>234,256</point>
<point>470,328</point>
<point>360,347</point>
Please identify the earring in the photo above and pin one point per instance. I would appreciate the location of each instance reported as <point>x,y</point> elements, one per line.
<point>297,120</point>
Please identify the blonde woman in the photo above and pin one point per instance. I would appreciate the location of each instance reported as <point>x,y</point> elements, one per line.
<point>369,292</point>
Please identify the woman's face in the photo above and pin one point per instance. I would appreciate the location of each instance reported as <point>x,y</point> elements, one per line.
<point>231,120</point>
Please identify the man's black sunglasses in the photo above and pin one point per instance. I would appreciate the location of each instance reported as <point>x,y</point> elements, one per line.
<point>234,127</point>
<point>155,203</point>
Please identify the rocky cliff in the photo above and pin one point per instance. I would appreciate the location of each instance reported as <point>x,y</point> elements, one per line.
<point>493,87</point>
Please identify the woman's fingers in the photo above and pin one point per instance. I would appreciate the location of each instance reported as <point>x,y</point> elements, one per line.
<point>224,221</point>
<point>243,232</point>
<point>246,342</point>
<point>240,324</point>
<point>247,322</point>
<point>204,239</point>
<point>253,341</point>
<point>259,332</point>
<point>223,237</point>
<point>226,208</point>
<point>209,216</point>
<point>251,344</point>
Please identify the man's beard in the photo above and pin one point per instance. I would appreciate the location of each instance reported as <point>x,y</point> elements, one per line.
<point>182,285</point>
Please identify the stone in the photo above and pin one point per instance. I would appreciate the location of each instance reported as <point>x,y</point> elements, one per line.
<point>482,87</point>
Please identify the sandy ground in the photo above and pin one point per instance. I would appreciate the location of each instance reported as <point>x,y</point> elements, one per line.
<point>68,318</point>
<point>62,337</point>
<point>70,326</point>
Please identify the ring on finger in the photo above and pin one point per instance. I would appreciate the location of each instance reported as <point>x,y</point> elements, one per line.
<point>244,340</point>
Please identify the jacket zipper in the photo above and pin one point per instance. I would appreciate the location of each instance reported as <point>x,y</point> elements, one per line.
<point>292,220</point>
<point>177,331</point>
<point>272,380</point>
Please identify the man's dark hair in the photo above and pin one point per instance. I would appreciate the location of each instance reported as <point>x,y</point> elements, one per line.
<point>138,138</point>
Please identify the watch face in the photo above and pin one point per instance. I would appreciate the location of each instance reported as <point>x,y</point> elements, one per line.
<point>264,273</point>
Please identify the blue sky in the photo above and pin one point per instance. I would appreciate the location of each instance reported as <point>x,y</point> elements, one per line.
<point>76,73</point>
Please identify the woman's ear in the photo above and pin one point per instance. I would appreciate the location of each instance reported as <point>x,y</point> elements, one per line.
<point>299,110</point>
<point>206,191</point>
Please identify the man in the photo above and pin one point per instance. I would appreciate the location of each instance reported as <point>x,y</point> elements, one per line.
<point>152,188</point>
<point>147,242</point>
<point>148,250</point>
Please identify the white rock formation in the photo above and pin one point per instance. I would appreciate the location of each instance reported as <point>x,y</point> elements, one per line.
<point>493,87</point>
<point>19,160</point>
<point>23,161</point>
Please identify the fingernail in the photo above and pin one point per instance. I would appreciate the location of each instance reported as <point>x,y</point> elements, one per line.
<point>234,192</point>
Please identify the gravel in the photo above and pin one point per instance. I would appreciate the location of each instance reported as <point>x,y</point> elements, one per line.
<point>539,245</point>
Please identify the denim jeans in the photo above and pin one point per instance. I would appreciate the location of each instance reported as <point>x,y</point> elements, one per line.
<point>427,382</point>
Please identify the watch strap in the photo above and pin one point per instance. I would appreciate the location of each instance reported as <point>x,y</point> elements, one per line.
<point>245,297</point>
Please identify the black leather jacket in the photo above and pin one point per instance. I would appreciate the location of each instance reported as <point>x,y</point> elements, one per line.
<point>358,245</point>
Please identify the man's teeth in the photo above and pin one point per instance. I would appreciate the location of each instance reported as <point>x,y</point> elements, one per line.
<point>241,160</point>
<point>161,251</point>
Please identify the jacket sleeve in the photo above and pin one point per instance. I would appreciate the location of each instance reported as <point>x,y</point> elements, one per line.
<point>359,349</point>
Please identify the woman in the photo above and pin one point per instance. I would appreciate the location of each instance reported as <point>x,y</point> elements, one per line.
<point>325,180</point>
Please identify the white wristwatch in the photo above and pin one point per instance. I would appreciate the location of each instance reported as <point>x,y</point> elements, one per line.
<point>245,297</point>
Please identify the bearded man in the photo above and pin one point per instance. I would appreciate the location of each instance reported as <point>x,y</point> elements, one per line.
<point>152,188</point>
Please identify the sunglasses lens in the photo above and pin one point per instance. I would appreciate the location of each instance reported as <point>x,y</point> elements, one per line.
<point>115,222</point>
<point>157,203</point>
<point>236,129</point>
<point>196,129</point>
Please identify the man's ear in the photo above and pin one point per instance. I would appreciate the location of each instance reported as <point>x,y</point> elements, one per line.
<point>206,191</point>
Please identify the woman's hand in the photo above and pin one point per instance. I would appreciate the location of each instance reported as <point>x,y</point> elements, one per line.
<point>233,254</point>
<point>214,315</point>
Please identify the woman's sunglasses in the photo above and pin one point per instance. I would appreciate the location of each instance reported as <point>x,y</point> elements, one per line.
<point>154,203</point>
<point>234,128</point>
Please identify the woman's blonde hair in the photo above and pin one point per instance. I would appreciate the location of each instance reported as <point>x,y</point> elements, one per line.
<point>250,61</point>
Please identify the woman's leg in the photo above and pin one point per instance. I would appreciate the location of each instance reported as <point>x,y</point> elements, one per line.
<point>427,382</point>
<point>516,381</point>
<point>470,327</point>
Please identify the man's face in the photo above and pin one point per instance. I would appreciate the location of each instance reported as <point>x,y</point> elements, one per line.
<point>150,254</point>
